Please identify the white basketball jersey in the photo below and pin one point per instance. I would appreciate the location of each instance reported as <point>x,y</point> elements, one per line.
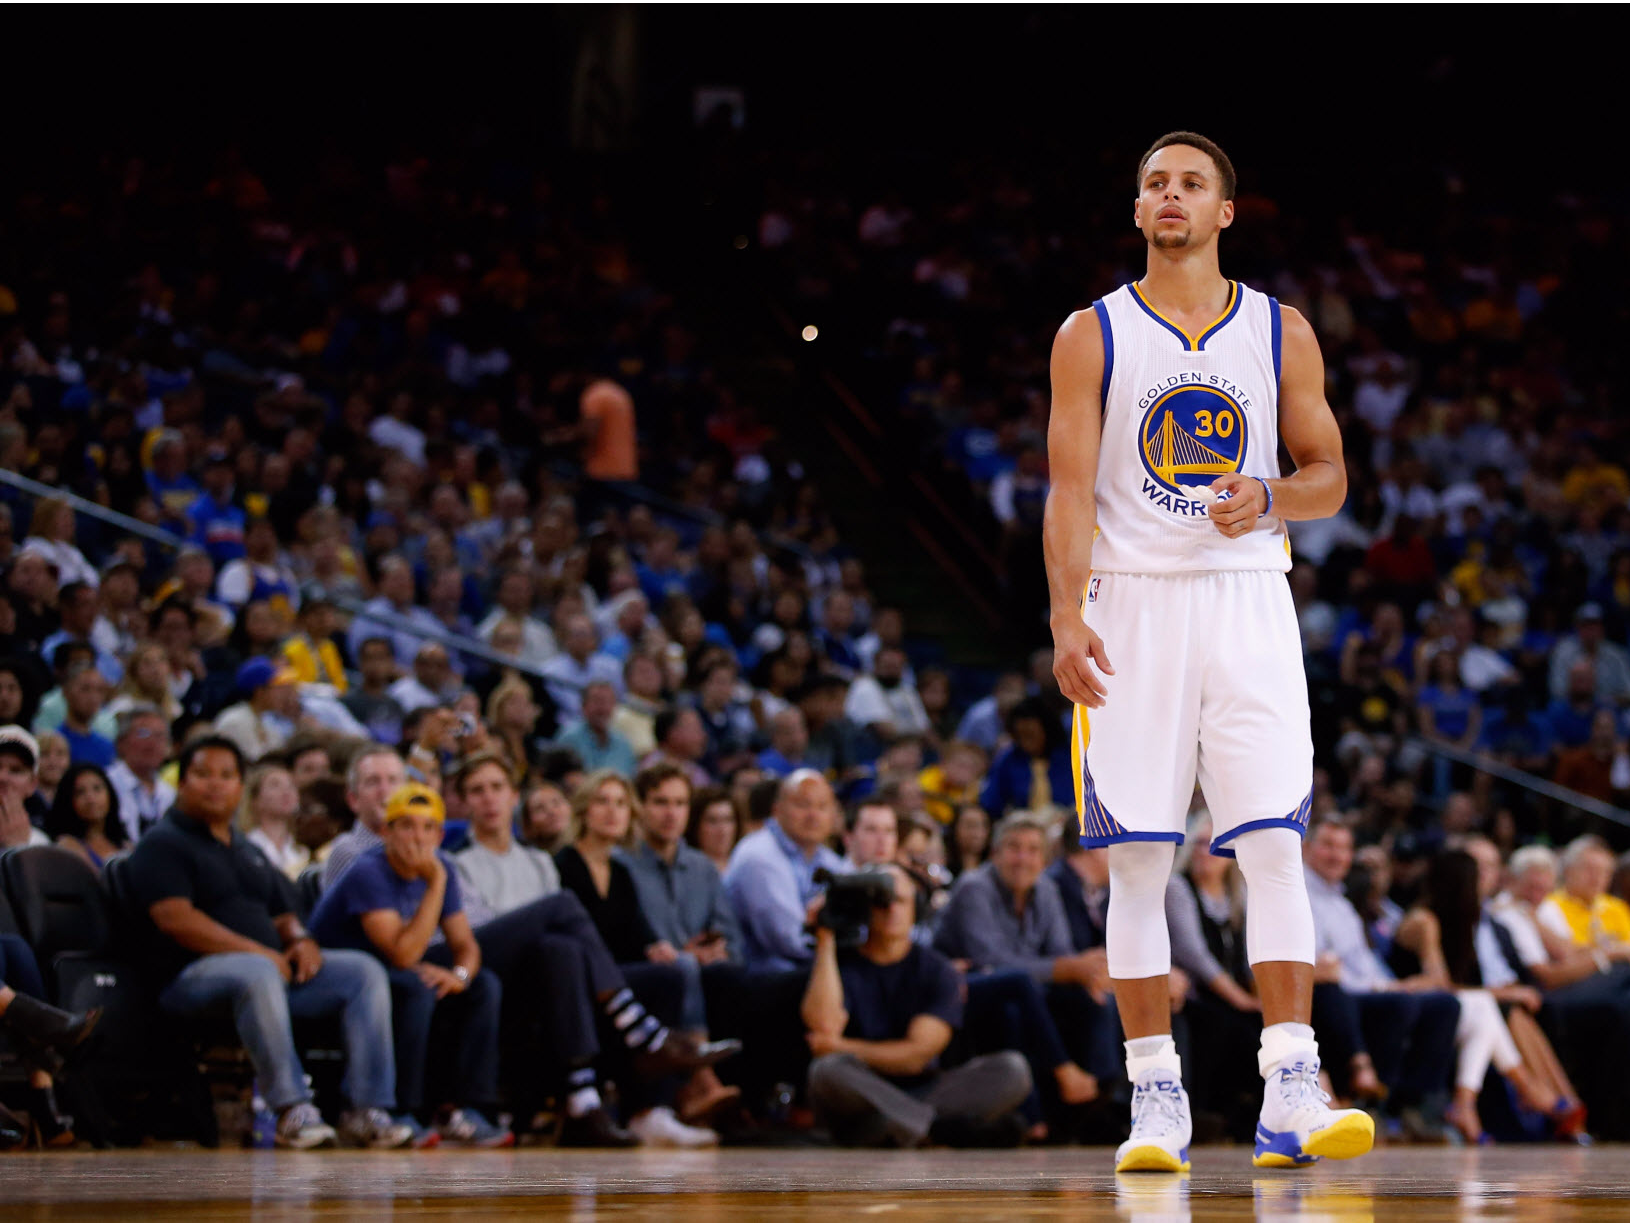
<point>1179,411</point>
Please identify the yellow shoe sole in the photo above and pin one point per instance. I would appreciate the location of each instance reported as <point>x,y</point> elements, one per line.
<point>1151,1159</point>
<point>1274,1160</point>
<point>1346,1139</point>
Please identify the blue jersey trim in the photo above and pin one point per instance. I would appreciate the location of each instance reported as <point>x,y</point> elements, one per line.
<point>1169,326</point>
<point>1120,838</point>
<point>1233,309</point>
<point>1296,819</point>
<point>1276,327</point>
<point>1102,311</point>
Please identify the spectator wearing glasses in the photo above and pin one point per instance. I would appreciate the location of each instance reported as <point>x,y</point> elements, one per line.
<point>142,747</point>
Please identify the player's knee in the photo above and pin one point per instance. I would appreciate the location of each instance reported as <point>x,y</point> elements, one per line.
<point>1140,867</point>
<point>1269,857</point>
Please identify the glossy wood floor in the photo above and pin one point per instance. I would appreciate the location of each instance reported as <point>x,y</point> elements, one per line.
<point>1397,1185</point>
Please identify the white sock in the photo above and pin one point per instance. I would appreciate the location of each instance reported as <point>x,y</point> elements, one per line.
<point>1152,1053</point>
<point>583,1101</point>
<point>1283,1042</point>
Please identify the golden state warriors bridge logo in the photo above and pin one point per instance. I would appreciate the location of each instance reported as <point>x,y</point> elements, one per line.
<point>1195,428</point>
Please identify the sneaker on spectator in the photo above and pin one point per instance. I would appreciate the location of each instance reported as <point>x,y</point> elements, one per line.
<point>374,1129</point>
<point>422,1138</point>
<point>465,1127</point>
<point>660,1128</point>
<point>301,1127</point>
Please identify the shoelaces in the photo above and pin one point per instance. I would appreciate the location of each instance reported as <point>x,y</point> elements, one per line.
<point>1157,1108</point>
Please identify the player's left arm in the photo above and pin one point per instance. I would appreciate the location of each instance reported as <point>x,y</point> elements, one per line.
<point>1318,487</point>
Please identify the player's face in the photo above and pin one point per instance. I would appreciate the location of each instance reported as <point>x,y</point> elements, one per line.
<point>1180,202</point>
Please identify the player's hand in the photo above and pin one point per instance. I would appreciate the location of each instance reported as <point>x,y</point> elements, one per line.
<point>1246,502</point>
<point>1076,651</point>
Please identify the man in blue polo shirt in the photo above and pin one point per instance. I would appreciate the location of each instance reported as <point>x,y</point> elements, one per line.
<point>401,902</point>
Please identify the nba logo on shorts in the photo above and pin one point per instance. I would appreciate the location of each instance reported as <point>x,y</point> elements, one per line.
<point>1092,590</point>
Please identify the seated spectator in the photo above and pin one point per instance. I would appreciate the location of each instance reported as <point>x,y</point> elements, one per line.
<point>66,659</point>
<point>142,746</point>
<point>431,683</point>
<point>146,682</point>
<point>1609,662</point>
<point>42,1037</point>
<point>51,536</point>
<point>635,719</point>
<point>681,890</point>
<point>886,702</point>
<point>392,614</point>
<point>310,649</point>
<point>591,737</point>
<point>985,723</point>
<point>837,746</point>
<point>84,694</point>
<point>546,817</point>
<point>19,760</point>
<point>544,939</point>
<point>1572,714</point>
<point>1599,767</point>
<point>771,877</point>
<point>54,761</point>
<point>1581,911</point>
<point>727,720</point>
<point>834,640</point>
<point>265,717</point>
<point>401,903</point>
<point>1034,772</point>
<point>85,817</point>
<point>515,601</point>
<point>512,722</point>
<point>871,834</point>
<point>19,691</point>
<point>578,664</point>
<point>221,931</point>
<point>681,741</point>
<point>1009,915</point>
<point>271,801</point>
<point>1408,1027</point>
<point>789,741</point>
<point>1440,937</point>
<point>259,574</point>
<point>371,702</point>
<point>715,825</point>
<point>967,840</point>
<point>308,758</point>
<point>953,783</point>
<point>77,606</point>
<point>879,1017</point>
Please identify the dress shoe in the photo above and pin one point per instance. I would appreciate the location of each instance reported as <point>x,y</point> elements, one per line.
<point>596,1128</point>
<point>680,1053</point>
<point>46,1036</point>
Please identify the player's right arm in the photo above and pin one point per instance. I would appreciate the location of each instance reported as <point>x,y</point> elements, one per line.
<point>1073,432</point>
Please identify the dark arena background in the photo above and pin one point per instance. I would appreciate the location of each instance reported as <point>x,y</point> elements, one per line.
<point>594,415</point>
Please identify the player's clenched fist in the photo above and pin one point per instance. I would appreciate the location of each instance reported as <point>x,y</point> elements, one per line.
<point>1076,651</point>
<point>1239,502</point>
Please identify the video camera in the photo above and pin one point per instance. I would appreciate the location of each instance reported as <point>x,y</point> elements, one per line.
<point>850,900</point>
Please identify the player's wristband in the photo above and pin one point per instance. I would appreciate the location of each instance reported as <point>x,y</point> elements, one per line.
<point>1268,492</point>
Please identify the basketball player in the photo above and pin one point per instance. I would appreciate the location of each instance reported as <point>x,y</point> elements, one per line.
<point>1166,553</point>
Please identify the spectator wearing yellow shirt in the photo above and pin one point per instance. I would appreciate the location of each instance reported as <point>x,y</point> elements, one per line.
<point>1592,478</point>
<point>311,651</point>
<point>946,786</point>
<point>1581,910</point>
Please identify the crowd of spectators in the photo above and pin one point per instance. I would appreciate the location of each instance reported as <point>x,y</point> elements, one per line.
<point>590,851</point>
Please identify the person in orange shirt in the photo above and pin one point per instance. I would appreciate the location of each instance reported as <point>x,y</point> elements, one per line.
<point>607,424</point>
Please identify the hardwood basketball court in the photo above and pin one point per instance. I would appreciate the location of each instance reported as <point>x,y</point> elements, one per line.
<point>1395,1185</point>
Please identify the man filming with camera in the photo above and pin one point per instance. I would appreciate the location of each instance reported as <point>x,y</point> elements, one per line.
<point>879,1016</point>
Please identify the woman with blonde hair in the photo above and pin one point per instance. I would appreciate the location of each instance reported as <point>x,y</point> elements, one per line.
<point>147,682</point>
<point>604,808</point>
<point>512,715</point>
<point>51,535</point>
<point>270,802</point>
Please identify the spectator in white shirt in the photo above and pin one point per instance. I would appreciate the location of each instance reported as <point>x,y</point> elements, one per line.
<point>885,701</point>
<point>269,806</point>
<point>514,598</point>
<point>143,744</point>
<point>568,673</point>
<point>432,681</point>
<point>395,578</point>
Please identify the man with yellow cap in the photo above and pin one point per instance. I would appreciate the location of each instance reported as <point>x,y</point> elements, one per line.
<point>401,902</point>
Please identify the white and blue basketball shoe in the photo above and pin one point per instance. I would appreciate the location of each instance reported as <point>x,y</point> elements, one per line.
<point>1161,1126</point>
<point>1298,1127</point>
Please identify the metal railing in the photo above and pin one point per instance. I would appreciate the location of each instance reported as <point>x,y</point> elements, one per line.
<point>1527,781</point>
<point>468,646</point>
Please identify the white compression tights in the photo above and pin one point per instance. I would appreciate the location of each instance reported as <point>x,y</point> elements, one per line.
<point>1278,916</point>
<point>1135,934</point>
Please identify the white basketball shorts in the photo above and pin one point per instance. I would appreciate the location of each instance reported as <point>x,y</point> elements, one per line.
<point>1208,681</point>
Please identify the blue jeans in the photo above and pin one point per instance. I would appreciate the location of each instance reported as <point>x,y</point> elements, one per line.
<point>349,983</point>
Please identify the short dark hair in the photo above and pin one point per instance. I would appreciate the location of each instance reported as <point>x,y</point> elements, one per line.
<point>72,590</point>
<point>649,778</point>
<point>1193,140</point>
<point>851,817</point>
<point>664,722</point>
<point>219,743</point>
<point>368,641</point>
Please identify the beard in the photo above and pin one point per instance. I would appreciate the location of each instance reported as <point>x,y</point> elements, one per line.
<point>1168,241</point>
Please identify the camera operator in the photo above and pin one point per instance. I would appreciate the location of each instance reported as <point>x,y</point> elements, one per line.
<point>879,1016</point>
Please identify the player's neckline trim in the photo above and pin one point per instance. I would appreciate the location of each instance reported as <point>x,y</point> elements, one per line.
<point>1191,343</point>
